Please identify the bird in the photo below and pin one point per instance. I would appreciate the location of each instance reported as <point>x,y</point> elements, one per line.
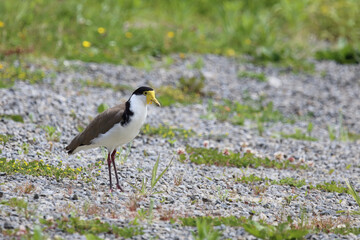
<point>115,127</point>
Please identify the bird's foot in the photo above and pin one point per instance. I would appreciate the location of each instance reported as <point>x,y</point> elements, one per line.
<point>118,187</point>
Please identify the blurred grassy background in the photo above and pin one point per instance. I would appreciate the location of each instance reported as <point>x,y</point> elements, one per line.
<point>132,31</point>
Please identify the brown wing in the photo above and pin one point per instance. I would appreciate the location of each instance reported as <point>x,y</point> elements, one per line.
<point>101,124</point>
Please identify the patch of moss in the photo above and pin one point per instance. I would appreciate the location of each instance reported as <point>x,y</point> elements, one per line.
<point>299,135</point>
<point>10,73</point>
<point>236,112</point>
<point>213,156</point>
<point>14,117</point>
<point>92,226</point>
<point>188,91</point>
<point>5,138</point>
<point>38,168</point>
<point>167,131</point>
<point>345,54</point>
<point>261,77</point>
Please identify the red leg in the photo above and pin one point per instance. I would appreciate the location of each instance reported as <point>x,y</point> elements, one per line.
<point>109,167</point>
<point>116,175</point>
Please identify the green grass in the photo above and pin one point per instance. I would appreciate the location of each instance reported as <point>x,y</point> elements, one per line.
<point>330,187</point>
<point>255,110</point>
<point>261,77</point>
<point>187,91</point>
<point>167,131</point>
<point>5,138</point>
<point>130,31</point>
<point>14,117</point>
<point>284,181</point>
<point>230,221</point>
<point>20,204</point>
<point>299,135</point>
<point>258,229</point>
<point>168,96</point>
<point>51,133</point>
<point>205,230</point>
<point>92,226</point>
<point>343,53</point>
<point>326,186</point>
<point>292,182</point>
<point>10,73</point>
<point>21,234</point>
<point>284,230</point>
<point>142,190</point>
<point>215,157</point>
<point>281,231</point>
<point>342,134</point>
<point>354,194</point>
<point>39,168</point>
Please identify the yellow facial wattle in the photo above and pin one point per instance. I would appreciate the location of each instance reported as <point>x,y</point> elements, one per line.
<point>150,98</point>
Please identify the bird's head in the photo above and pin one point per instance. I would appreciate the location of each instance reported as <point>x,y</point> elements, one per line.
<point>148,95</point>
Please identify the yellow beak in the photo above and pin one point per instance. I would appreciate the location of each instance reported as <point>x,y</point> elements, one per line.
<point>150,98</point>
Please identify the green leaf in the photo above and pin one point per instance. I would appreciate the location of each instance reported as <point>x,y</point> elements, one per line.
<point>154,171</point>
<point>162,173</point>
<point>102,107</point>
<point>90,236</point>
<point>353,193</point>
<point>37,233</point>
<point>16,118</point>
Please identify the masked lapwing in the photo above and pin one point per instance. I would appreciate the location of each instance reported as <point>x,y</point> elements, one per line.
<point>115,126</point>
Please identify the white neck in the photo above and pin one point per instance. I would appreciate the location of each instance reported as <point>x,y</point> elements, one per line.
<point>138,104</point>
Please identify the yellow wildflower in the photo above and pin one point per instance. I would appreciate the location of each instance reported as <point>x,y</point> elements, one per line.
<point>247,41</point>
<point>128,35</point>
<point>170,34</point>
<point>182,55</point>
<point>1,66</point>
<point>324,10</point>
<point>2,24</point>
<point>101,30</point>
<point>22,75</point>
<point>86,44</point>
<point>230,52</point>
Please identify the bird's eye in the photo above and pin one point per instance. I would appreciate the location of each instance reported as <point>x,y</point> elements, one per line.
<point>145,93</point>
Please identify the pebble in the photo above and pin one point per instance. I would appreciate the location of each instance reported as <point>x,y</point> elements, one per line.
<point>8,225</point>
<point>204,190</point>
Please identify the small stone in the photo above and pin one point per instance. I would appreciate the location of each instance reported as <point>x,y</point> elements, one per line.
<point>1,194</point>
<point>36,196</point>
<point>274,81</point>
<point>2,174</point>
<point>8,225</point>
<point>206,199</point>
<point>74,197</point>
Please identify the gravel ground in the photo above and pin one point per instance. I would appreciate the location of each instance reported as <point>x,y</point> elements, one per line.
<point>328,97</point>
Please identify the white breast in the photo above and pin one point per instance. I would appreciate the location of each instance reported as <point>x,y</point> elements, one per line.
<point>120,135</point>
